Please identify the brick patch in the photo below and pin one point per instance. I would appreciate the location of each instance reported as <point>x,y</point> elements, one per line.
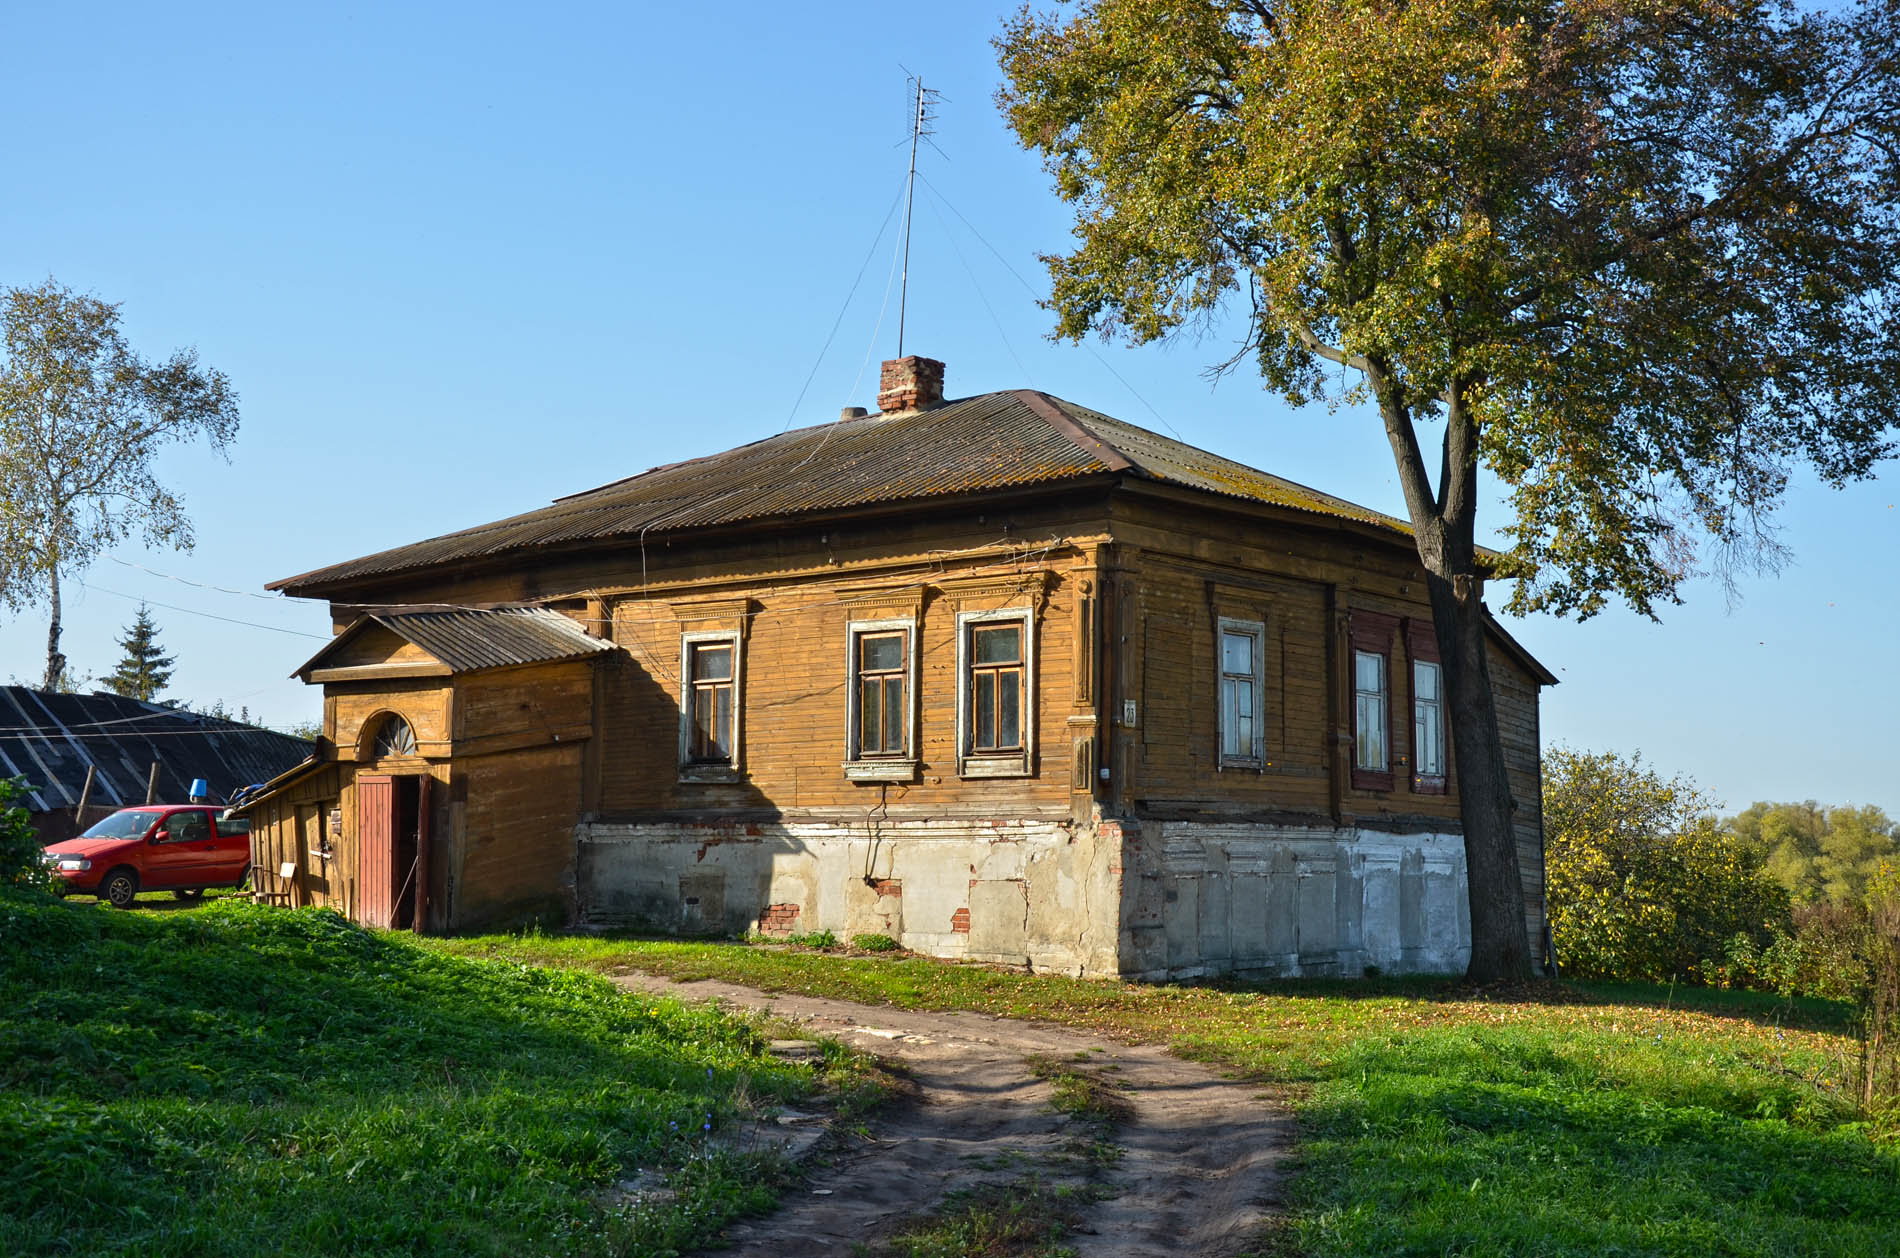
<point>778,919</point>
<point>960,921</point>
<point>888,886</point>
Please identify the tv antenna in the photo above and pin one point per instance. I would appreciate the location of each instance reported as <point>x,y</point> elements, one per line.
<point>922,119</point>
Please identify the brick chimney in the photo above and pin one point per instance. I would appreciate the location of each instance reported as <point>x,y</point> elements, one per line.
<point>910,384</point>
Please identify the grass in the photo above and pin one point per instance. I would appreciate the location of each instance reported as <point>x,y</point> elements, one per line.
<point>237,1080</point>
<point>1549,1119</point>
<point>1025,1219</point>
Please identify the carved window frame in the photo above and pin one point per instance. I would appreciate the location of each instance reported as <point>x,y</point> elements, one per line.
<point>1016,762</point>
<point>880,767</point>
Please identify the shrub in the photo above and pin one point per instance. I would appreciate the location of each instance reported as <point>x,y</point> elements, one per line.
<point>21,856</point>
<point>874,943</point>
<point>1644,885</point>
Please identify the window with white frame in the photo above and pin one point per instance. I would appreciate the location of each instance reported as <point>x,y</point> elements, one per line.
<point>1428,720</point>
<point>883,668</point>
<point>1242,693</point>
<point>1370,753</point>
<point>995,669</point>
<point>709,702</point>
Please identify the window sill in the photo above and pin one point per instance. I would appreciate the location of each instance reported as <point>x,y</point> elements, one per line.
<point>1243,765</point>
<point>1372,780</point>
<point>1434,785</point>
<point>709,773</point>
<point>880,770</point>
<point>1016,766</point>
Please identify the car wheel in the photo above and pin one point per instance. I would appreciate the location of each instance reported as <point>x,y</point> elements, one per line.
<point>119,888</point>
<point>189,893</point>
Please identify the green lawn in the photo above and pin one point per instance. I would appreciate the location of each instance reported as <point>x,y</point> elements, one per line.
<point>1547,1120</point>
<point>235,1080</point>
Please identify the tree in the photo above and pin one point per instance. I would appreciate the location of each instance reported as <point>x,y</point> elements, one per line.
<point>1821,854</point>
<point>1643,882</point>
<point>143,670</point>
<point>81,418</point>
<point>1639,258</point>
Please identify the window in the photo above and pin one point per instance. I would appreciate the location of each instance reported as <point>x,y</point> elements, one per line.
<point>1242,692</point>
<point>395,738</point>
<point>996,688</point>
<point>1428,721</point>
<point>1371,635</point>
<point>1370,753</point>
<point>994,653</point>
<point>187,827</point>
<point>881,740</point>
<point>1431,759</point>
<point>710,673</point>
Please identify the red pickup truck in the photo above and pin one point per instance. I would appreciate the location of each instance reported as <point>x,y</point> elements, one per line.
<point>180,848</point>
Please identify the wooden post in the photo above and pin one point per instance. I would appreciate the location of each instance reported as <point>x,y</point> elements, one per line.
<point>151,785</point>
<point>85,794</point>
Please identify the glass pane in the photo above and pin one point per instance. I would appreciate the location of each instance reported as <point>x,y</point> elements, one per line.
<point>1009,714</point>
<point>1426,732</point>
<point>702,722</point>
<point>1236,653</point>
<point>893,715</point>
<point>985,715</point>
<point>1425,681</point>
<point>712,663</point>
<point>870,716</point>
<point>1229,716</point>
<point>1370,735</point>
<point>722,732</point>
<point>1368,671</point>
<point>881,653</point>
<point>999,644</point>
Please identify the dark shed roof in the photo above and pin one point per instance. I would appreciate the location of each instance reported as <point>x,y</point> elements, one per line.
<point>50,739</point>
<point>468,638</point>
<point>994,441</point>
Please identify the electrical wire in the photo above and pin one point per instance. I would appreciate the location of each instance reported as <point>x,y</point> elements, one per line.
<point>192,611</point>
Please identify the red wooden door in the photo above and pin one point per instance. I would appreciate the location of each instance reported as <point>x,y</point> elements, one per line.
<point>375,849</point>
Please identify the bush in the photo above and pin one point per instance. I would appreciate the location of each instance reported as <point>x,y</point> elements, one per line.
<point>874,943</point>
<point>1644,885</point>
<point>22,861</point>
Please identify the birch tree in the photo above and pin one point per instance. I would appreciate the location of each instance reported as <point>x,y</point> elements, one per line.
<point>82,416</point>
<point>1639,259</point>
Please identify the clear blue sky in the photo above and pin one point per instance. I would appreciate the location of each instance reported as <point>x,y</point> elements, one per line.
<point>461,259</point>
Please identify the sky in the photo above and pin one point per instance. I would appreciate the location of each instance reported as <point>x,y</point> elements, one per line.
<point>461,259</point>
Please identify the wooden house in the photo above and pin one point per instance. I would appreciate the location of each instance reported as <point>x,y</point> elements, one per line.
<point>1001,677</point>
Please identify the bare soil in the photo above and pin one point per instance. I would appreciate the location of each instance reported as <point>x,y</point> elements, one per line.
<point>1197,1172</point>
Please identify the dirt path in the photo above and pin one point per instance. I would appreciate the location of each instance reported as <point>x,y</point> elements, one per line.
<point>1198,1172</point>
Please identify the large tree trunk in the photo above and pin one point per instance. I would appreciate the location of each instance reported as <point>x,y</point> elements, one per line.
<point>1444,524</point>
<point>1500,943</point>
<point>55,662</point>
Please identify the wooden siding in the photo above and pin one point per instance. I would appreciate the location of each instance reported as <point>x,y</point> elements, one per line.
<point>515,814</point>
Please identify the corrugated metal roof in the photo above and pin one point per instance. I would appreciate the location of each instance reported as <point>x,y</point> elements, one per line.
<point>467,639</point>
<point>50,739</point>
<point>994,441</point>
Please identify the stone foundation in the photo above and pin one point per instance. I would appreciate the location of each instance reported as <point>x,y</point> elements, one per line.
<point>1152,901</point>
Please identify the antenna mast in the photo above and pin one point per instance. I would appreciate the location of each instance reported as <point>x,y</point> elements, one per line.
<point>922,116</point>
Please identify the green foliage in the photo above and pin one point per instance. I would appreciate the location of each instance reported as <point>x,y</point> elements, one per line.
<point>82,418</point>
<point>874,943</point>
<point>234,1079</point>
<point>1820,853</point>
<point>1565,1121</point>
<point>1643,884</point>
<point>1641,256</point>
<point>20,849</point>
<point>144,668</point>
<point>1026,1219</point>
<point>819,939</point>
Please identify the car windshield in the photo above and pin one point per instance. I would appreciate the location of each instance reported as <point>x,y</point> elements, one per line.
<point>132,823</point>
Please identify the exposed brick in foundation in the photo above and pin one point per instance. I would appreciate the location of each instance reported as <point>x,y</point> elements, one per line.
<point>888,886</point>
<point>960,921</point>
<point>778,919</point>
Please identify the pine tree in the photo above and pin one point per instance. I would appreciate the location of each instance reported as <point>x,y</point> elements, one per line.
<point>143,671</point>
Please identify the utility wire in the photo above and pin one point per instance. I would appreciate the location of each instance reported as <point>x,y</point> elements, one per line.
<point>1031,290</point>
<point>268,598</point>
<point>978,286</point>
<point>192,611</point>
<point>837,322</point>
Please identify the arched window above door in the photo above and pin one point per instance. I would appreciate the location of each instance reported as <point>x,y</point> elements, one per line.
<point>395,738</point>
